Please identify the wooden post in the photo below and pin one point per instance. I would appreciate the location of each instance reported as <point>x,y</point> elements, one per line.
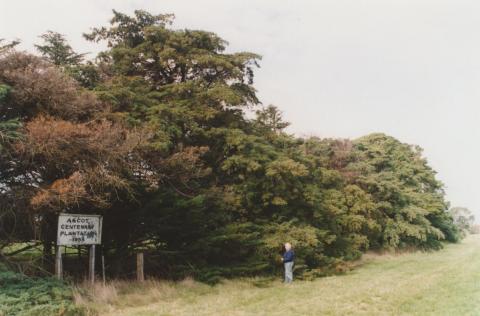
<point>91,265</point>
<point>58,263</point>
<point>140,275</point>
<point>103,269</point>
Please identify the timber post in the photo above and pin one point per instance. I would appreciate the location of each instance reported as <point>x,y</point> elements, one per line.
<point>58,263</point>
<point>140,274</point>
<point>91,265</point>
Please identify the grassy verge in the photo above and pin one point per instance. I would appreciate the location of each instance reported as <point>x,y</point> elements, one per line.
<point>446,282</point>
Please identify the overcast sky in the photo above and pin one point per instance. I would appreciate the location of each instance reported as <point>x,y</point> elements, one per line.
<point>336,68</point>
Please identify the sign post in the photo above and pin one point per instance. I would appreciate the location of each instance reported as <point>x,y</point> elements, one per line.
<point>91,265</point>
<point>78,229</point>
<point>58,263</point>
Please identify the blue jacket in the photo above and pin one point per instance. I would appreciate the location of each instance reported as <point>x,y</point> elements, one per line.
<point>288,256</point>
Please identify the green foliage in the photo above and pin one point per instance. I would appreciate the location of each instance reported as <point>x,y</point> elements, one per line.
<point>404,188</point>
<point>161,146</point>
<point>269,120</point>
<point>24,296</point>
<point>8,131</point>
<point>58,51</point>
<point>8,128</point>
<point>4,89</point>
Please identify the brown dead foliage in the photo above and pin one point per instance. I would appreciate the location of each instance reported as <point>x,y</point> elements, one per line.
<point>39,87</point>
<point>62,193</point>
<point>96,162</point>
<point>93,143</point>
<point>79,162</point>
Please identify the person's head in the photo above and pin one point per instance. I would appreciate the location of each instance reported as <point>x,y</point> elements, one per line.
<point>288,246</point>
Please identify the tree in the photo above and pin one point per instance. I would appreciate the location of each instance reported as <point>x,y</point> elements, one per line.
<point>71,156</point>
<point>183,85</point>
<point>39,88</point>
<point>8,128</point>
<point>56,49</point>
<point>407,194</point>
<point>7,47</point>
<point>13,224</point>
<point>270,119</point>
<point>462,218</point>
<point>153,135</point>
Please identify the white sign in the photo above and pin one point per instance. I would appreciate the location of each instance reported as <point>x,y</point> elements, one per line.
<point>77,229</point>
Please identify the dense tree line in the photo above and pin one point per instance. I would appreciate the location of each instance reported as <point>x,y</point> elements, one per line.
<point>153,134</point>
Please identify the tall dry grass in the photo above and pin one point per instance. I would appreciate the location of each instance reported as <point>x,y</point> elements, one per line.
<point>98,298</point>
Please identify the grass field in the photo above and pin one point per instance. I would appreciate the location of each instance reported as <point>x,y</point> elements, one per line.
<point>446,282</point>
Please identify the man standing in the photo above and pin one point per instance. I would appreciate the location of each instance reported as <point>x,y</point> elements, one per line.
<point>287,259</point>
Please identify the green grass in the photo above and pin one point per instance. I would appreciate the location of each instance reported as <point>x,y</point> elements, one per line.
<point>445,282</point>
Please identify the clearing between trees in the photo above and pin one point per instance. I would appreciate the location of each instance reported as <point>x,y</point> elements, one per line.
<point>438,283</point>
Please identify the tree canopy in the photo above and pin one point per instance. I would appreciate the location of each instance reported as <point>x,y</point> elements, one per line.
<point>154,136</point>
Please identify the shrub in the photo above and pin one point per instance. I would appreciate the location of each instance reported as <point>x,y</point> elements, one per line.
<point>24,296</point>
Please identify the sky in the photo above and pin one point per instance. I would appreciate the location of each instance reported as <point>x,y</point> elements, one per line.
<point>338,68</point>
